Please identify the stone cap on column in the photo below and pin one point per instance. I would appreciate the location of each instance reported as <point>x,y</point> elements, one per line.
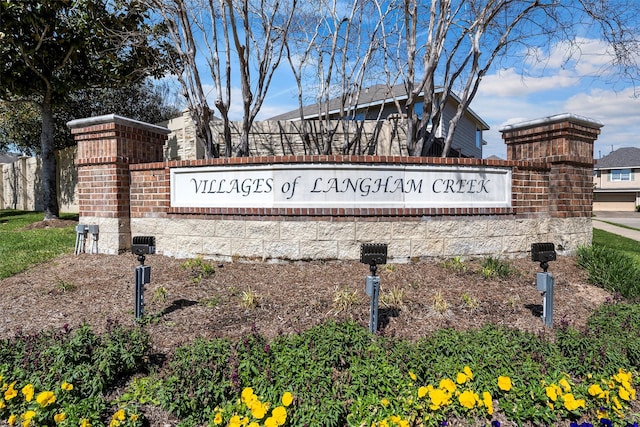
<point>111,139</point>
<point>549,120</point>
<point>114,118</point>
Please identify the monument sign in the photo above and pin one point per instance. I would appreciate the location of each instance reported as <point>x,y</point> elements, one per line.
<point>341,186</point>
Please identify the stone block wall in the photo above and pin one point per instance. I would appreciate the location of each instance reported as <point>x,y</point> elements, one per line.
<point>130,194</point>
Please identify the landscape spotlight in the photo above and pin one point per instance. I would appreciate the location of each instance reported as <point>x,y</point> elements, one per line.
<point>373,254</point>
<point>543,253</point>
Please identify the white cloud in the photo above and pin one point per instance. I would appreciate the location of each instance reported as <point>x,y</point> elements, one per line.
<point>581,57</point>
<point>508,82</point>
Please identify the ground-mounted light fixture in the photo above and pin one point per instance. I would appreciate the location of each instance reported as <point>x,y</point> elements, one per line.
<point>141,246</point>
<point>543,253</point>
<point>373,254</point>
<point>81,238</point>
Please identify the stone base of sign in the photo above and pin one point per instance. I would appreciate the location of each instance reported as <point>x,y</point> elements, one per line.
<point>227,240</point>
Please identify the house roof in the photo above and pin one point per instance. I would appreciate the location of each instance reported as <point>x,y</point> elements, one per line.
<point>626,157</point>
<point>8,157</point>
<point>375,95</point>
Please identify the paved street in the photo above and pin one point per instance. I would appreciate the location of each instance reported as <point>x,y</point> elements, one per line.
<point>628,219</point>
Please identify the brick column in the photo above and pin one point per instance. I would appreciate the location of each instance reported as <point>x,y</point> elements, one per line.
<point>107,145</point>
<point>564,143</point>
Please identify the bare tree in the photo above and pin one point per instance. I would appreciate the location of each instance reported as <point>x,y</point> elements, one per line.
<point>181,19</point>
<point>458,41</point>
<point>259,39</point>
<point>233,37</point>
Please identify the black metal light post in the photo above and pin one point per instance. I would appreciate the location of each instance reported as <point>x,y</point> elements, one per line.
<point>141,246</point>
<point>373,254</point>
<point>543,253</point>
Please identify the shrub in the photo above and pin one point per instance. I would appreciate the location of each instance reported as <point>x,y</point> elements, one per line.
<point>65,374</point>
<point>196,379</point>
<point>610,269</point>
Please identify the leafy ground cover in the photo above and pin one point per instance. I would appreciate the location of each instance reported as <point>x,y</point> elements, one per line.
<point>460,342</point>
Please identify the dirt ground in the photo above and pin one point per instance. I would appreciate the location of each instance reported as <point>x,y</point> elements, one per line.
<point>284,298</point>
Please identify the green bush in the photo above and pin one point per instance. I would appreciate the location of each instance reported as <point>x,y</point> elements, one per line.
<point>612,270</point>
<point>76,366</point>
<point>197,379</point>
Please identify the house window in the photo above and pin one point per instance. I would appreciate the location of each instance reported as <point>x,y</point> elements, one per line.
<point>478,138</point>
<point>621,175</point>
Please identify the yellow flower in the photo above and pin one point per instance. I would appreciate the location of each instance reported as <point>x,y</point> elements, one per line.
<point>11,392</point>
<point>114,423</point>
<point>133,417</point>
<point>253,424</point>
<point>248,396</point>
<point>67,386</point>
<point>624,394</point>
<point>439,397</point>
<point>467,372</point>
<point>45,398</point>
<point>504,383</point>
<point>287,399</point>
<point>422,392</point>
<point>280,415</point>
<point>270,422</point>
<point>12,419</point>
<point>461,378</point>
<point>120,415</point>
<point>565,385</point>
<point>488,402</point>
<point>467,399</point>
<point>551,392</point>
<point>26,418</point>
<point>28,391</point>
<point>234,421</point>
<point>258,410</point>
<point>58,418</point>
<point>412,376</point>
<point>622,376</point>
<point>85,423</point>
<point>602,414</point>
<point>571,403</point>
<point>616,403</point>
<point>596,391</point>
<point>447,384</point>
<point>217,419</point>
<point>384,402</point>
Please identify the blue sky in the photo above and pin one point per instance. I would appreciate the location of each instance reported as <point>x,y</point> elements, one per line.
<point>555,83</point>
<point>586,87</point>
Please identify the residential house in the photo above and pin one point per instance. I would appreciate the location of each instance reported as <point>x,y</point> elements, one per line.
<point>616,181</point>
<point>380,102</point>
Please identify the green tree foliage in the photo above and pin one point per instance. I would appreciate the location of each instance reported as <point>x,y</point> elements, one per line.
<point>145,101</point>
<point>51,48</point>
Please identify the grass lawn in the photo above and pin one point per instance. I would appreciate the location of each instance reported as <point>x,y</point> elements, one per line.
<point>20,248</point>
<point>613,241</point>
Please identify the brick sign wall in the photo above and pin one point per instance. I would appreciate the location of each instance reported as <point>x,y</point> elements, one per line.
<point>239,207</point>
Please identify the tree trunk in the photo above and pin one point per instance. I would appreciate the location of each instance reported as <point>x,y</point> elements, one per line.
<point>49,181</point>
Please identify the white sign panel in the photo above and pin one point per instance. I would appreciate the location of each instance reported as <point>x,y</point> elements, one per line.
<point>341,186</point>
